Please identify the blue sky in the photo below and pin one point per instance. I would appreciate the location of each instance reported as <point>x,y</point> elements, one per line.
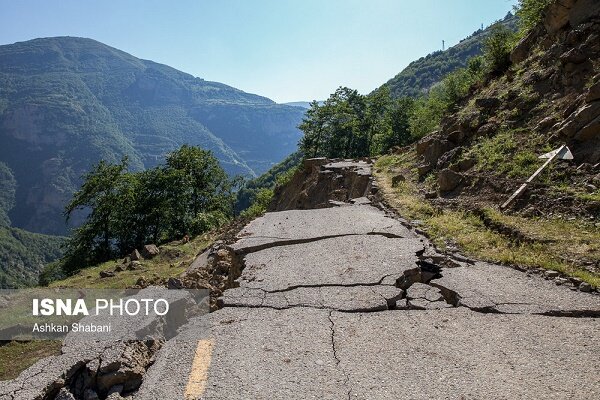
<point>287,50</point>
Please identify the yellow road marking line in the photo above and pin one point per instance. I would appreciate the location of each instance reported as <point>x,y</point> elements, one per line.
<point>199,374</point>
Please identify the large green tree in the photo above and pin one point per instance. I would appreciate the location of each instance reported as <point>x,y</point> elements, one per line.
<point>350,125</point>
<point>189,194</point>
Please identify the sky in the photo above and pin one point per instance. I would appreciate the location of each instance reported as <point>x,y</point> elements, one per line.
<point>287,50</point>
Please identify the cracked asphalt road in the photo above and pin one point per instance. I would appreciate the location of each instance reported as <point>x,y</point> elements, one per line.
<point>347,303</point>
<point>318,316</point>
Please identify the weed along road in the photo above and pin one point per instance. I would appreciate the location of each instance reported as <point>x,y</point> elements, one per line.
<point>347,302</point>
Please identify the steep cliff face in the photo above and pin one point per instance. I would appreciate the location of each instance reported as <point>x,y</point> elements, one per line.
<point>550,96</point>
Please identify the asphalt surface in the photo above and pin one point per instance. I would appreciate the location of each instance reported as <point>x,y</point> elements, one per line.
<point>318,316</point>
<point>333,304</point>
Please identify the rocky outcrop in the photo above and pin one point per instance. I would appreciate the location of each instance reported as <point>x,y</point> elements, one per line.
<point>322,182</point>
<point>552,91</point>
<point>557,15</point>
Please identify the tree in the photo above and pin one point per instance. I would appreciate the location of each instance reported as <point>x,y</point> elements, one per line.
<point>190,194</point>
<point>100,195</point>
<point>497,48</point>
<point>530,12</point>
<point>338,128</point>
<point>200,186</point>
<point>400,113</point>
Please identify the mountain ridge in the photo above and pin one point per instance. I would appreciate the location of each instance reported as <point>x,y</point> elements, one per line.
<point>422,74</point>
<point>68,102</point>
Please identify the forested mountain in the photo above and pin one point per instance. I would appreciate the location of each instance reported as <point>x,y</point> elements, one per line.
<point>422,74</point>
<point>22,253</point>
<point>66,103</point>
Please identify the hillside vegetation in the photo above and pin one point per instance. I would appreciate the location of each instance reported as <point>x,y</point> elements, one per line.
<point>422,74</point>
<point>478,136</point>
<point>190,194</point>
<point>22,254</point>
<point>259,191</point>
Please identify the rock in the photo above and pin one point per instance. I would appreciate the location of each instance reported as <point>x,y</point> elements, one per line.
<point>437,149</point>
<point>431,195</point>
<point>135,255</point>
<point>339,180</point>
<point>556,15</point>
<point>552,274</point>
<point>174,283</point>
<point>575,281</point>
<point>579,119</point>
<point>466,164</point>
<point>546,123</point>
<point>561,281</point>
<point>488,103</point>
<point>593,93</point>
<point>582,11</point>
<point>589,132</point>
<point>573,56</point>
<point>424,144</point>
<point>141,282</point>
<point>118,268</point>
<point>456,137</point>
<point>523,48</point>
<point>360,201</point>
<point>150,251</point>
<point>575,37</point>
<point>448,180</point>
<point>585,287</point>
<point>487,129</point>
<point>446,158</point>
<point>107,274</point>
<point>424,169</point>
<point>134,265</point>
<point>114,396</point>
<point>396,179</point>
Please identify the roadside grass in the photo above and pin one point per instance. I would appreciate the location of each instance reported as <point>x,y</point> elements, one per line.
<point>173,259</point>
<point>493,152</point>
<point>555,244</point>
<point>15,357</point>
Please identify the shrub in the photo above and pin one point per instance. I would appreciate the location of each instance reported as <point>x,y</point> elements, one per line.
<point>497,48</point>
<point>259,207</point>
<point>530,12</point>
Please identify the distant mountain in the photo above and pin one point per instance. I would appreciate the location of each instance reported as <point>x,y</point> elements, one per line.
<point>422,74</point>
<point>66,103</point>
<point>302,104</point>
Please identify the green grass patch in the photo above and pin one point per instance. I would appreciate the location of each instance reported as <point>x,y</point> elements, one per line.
<point>555,244</point>
<point>506,155</point>
<point>173,259</point>
<point>15,357</point>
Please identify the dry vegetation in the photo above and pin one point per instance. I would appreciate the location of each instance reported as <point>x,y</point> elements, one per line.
<point>567,246</point>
